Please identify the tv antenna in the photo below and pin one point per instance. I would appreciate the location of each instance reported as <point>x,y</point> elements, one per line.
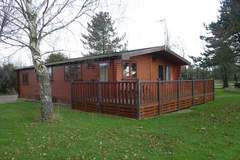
<point>166,36</point>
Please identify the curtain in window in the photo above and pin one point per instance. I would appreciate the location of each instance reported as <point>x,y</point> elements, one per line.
<point>168,73</point>
<point>130,70</point>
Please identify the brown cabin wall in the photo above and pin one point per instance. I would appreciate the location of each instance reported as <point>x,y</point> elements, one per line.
<point>61,88</point>
<point>90,70</point>
<point>147,67</point>
<point>174,69</point>
<point>144,66</point>
<point>31,90</point>
<point>118,74</point>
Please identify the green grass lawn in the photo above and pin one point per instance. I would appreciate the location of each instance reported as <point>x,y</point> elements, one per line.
<point>210,131</point>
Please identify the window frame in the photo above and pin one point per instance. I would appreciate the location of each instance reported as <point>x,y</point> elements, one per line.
<point>76,72</point>
<point>130,77</point>
<point>65,73</point>
<point>105,65</point>
<point>72,72</point>
<point>167,73</point>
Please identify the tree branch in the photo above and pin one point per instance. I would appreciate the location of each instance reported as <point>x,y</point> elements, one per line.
<point>84,9</point>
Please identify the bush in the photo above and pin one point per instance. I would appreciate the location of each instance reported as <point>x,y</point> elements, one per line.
<point>7,79</point>
<point>237,85</point>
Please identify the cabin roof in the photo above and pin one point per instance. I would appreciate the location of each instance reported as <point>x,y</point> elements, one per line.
<point>125,55</point>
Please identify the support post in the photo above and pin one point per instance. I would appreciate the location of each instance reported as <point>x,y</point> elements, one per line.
<point>213,89</point>
<point>192,92</point>
<point>71,83</point>
<point>99,96</point>
<point>178,93</point>
<point>18,84</point>
<point>158,95</point>
<point>204,90</point>
<point>138,99</point>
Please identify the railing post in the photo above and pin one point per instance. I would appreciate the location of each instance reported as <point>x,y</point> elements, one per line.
<point>178,93</point>
<point>158,95</point>
<point>138,99</point>
<point>213,89</point>
<point>204,90</point>
<point>193,92</point>
<point>99,96</point>
<point>71,87</point>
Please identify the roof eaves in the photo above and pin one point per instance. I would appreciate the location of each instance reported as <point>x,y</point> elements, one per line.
<point>125,55</point>
<point>178,56</point>
<point>130,54</point>
<point>74,60</point>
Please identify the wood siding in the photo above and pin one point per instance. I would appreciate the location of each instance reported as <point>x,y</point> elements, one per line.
<point>147,67</point>
<point>61,89</point>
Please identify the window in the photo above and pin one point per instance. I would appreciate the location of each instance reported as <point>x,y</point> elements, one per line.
<point>72,72</point>
<point>76,71</point>
<point>103,68</point>
<point>25,79</point>
<point>67,75</point>
<point>130,70</point>
<point>133,70</point>
<point>168,73</point>
<point>160,72</point>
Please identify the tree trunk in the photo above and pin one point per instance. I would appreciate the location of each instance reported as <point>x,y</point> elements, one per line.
<point>45,86</point>
<point>41,69</point>
<point>46,96</point>
<point>225,78</point>
<point>235,78</point>
<point>225,82</point>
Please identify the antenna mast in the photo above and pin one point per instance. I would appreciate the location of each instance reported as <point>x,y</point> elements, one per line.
<point>166,36</point>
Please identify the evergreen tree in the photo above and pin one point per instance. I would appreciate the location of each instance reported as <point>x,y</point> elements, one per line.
<point>102,37</point>
<point>7,79</point>
<point>223,41</point>
<point>56,57</point>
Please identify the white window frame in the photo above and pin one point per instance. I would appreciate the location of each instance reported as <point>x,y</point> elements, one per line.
<point>104,66</point>
<point>50,72</point>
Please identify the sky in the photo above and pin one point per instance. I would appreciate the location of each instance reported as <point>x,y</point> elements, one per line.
<point>140,20</point>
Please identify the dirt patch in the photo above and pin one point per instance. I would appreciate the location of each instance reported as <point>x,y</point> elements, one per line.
<point>184,111</point>
<point>8,98</point>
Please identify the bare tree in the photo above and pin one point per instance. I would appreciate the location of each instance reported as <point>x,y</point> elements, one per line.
<point>25,23</point>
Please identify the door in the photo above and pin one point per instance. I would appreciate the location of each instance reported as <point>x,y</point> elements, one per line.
<point>160,72</point>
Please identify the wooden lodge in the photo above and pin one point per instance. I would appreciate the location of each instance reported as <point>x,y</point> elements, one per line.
<point>137,84</point>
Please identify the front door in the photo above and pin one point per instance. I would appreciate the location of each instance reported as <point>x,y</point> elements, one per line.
<point>160,72</point>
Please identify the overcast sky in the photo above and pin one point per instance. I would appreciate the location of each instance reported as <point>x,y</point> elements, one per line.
<point>139,19</point>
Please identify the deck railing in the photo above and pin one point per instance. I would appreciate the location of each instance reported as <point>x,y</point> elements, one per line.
<point>138,99</point>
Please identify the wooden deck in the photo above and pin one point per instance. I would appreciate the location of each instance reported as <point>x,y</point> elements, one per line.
<point>140,99</point>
